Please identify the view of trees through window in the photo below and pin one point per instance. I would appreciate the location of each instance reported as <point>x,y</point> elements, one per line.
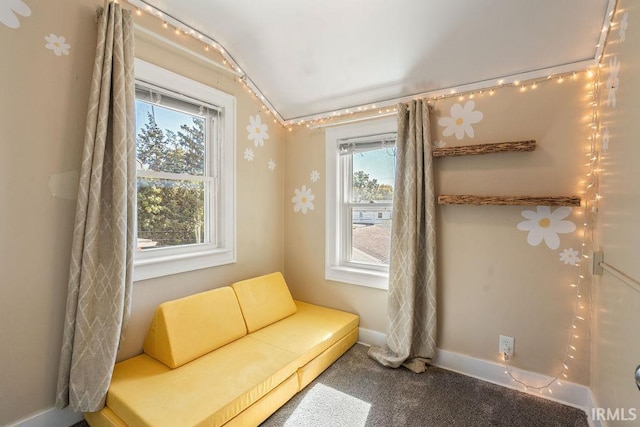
<point>372,196</point>
<point>171,207</point>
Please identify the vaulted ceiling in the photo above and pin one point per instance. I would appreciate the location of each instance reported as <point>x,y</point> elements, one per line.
<point>313,57</point>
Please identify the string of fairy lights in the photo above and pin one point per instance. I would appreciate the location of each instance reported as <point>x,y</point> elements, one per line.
<point>590,193</point>
<point>478,89</point>
<point>580,285</point>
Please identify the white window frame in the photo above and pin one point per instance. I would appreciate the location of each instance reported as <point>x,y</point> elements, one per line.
<point>337,268</point>
<point>160,262</point>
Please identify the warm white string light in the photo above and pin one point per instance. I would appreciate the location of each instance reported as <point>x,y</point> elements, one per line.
<point>210,44</point>
<point>382,107</point>
<point>580,285</point>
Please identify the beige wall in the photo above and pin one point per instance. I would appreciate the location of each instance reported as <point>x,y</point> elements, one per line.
<point>491,281</point>
<point>616,346</point>
<point>42,117</point>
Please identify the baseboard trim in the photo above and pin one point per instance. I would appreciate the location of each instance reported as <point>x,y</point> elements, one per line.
<point>572,394</point>
<point>592,405</point>
<point>370,337</point>
<point>52,417</point>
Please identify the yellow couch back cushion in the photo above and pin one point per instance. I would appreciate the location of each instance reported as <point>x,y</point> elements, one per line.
<point>264,300</point>
<point>187,328</point>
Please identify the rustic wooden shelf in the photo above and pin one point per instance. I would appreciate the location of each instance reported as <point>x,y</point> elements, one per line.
<point>509,200</point>
<point>474,150</point>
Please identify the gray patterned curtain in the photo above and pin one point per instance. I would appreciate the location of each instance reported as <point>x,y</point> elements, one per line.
<point>412,270</point>
<point>100,275</point>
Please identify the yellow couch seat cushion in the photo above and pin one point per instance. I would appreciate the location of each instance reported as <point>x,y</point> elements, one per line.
<point>308,332</point>
<point>264,300</point>
<point>210,390</point>
<point>187,328</point>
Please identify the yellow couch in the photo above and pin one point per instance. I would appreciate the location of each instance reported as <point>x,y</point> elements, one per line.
<point>230,356</point>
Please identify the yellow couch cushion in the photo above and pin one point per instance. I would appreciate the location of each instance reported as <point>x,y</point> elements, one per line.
<point>308,332</point>
<point>210,390</point>
<point>264,300</point>
<point>187,328</point>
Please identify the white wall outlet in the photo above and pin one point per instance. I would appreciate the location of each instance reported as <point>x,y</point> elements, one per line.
<point>506,346</point>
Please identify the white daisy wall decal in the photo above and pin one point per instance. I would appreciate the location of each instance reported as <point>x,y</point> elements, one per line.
<point>57,44</point>
<point>271,164</point>
<point>613,81</point>
<point>9,9</point>
<point>439,144</point>
<point>605,139</point>
<point>248,155</point>
<point>569,256</point>
<point>624,23</point>
<point>461,120</point>
<point>258,131</point>
<point>303,200</point>
<point>315,176</point>
<point>542,224</point>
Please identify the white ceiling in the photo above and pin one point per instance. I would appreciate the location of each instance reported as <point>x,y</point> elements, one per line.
<point>312,57</point>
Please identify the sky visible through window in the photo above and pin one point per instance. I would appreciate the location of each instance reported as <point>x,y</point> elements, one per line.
<point>378,164</point>
<point>165,118</point>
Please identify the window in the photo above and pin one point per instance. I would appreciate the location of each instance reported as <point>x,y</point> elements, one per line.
<point>360,170</point>
<point>185,145</point>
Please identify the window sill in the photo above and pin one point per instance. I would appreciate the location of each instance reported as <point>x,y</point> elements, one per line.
<point>166,265</point>
<point>358,276</point>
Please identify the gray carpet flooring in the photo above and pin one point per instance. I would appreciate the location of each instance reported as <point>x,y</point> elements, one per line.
<point>398,397</point>
<point>356,391</point>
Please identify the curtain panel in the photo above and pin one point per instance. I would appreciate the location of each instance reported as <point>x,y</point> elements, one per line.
<point>411,308</point>
<point>100,276</point>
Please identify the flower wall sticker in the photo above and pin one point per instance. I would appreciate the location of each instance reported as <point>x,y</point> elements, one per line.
<point>439,144</point>
<point>315,176</point>
<point>613,81</point>
<point>58,45</point>
<point>569,256</point>
<point>542,224</point>
<point>9,9</point>
<point>624,23</point>
<point>248,155</point>
<point>303,200</point>
<point>257,130</point>
<point>271,164</point>
<point>461,120</point>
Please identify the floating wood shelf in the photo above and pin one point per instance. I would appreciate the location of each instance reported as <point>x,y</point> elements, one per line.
<point>510,200</point>
<point>474,150</point>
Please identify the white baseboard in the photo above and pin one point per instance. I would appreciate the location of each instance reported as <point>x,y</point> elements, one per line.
<point>52,417</point>
<point>572,394</point>
<point>593,420</point>
<point>369,337</point>
<point>568,393</point>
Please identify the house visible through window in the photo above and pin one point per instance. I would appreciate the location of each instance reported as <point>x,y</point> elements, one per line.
<point>370,163</point>
<point>185,184</point>
<point>360,165</point>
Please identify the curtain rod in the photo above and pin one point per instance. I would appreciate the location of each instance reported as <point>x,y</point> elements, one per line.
<point>357,119</point>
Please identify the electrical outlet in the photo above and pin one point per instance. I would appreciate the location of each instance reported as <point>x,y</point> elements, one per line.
<point>506,346</point>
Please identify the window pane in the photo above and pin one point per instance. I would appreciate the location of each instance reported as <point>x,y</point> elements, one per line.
<point>170,213</point>
<point>373,175</point>
<point>168,140</point>
<point>371,235</point>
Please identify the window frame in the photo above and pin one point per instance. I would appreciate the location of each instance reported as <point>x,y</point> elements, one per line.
<point>221,197</point>
<point>337,240</point>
